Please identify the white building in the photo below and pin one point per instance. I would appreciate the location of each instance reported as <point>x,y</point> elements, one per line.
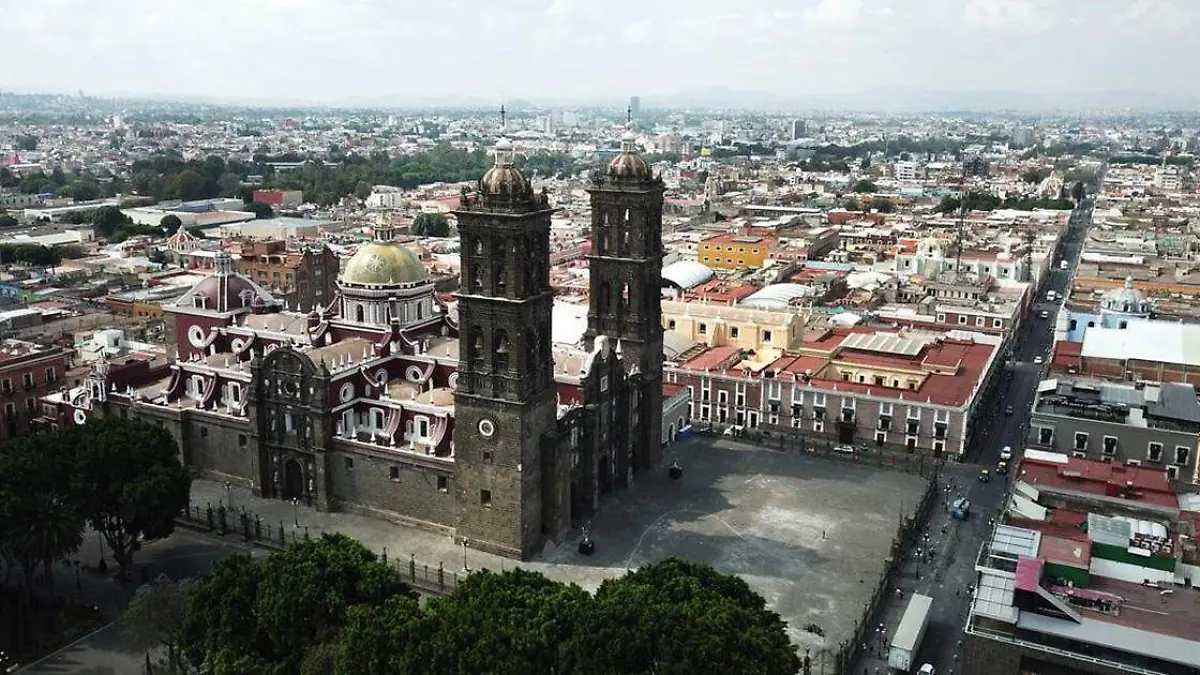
<point>906,170</point>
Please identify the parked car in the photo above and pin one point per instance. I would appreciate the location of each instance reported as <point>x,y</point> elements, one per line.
<point>848,449</point>
<point>985,476</point>
<point>961,509</point>
<point>926,669</point>
<point>1037,360</point>
<point>1008,410</point>
<point>1006,454</point>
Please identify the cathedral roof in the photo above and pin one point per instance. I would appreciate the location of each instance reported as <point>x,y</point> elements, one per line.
<point>380,263</point>
<point>224,291</point>
<point>504,178</point>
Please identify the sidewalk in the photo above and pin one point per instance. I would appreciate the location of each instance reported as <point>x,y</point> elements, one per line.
<point>400,542</point>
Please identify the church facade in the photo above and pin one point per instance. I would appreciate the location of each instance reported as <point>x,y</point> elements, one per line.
<point>461,418</point>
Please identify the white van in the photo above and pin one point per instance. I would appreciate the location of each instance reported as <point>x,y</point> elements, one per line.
<point>1062,265</point>
<point>1050,295</point>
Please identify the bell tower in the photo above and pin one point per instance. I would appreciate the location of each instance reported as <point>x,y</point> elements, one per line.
<point>625,301</point>
<point>506,406</point>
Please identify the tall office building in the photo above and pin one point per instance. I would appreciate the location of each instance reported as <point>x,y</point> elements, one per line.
<point>799,129</point>
<point>635,105</point>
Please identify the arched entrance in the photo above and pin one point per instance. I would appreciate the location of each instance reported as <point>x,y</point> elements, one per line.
<point>293,480</point>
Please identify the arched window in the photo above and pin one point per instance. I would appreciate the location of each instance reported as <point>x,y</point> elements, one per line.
<point>498,277</point>
<point>477,281</point>
<point>359,313</point>
<point>419,313</point>
<point>605,295</point>
<point>475,348</point>
<point>500,359</point>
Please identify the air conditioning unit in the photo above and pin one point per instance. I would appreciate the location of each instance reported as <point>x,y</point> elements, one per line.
<point>1133,462</point>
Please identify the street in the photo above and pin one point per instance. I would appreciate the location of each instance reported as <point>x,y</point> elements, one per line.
<point>944,570</point>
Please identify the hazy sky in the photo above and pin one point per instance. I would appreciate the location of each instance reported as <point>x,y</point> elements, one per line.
<point>334,50</point>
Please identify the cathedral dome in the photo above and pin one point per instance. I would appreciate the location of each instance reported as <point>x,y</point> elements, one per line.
<point>1126,300</point>
<point>383,263</point>
<point>628,164</point>
<point>503,178</point>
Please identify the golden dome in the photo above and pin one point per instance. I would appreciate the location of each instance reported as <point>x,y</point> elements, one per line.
<point>503,179</point>
<point>384,263</point>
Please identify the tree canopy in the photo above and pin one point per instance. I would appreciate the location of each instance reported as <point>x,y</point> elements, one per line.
<point>170,223</point>
<point>7,220</point>
<point>261,210</point>
<point>982,201</point>
<point>329,605</point>
<point>430,225</point>
<point>33,255</point>
<point>864,186</point>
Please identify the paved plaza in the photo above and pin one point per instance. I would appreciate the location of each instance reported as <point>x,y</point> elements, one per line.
<point>808,533</point>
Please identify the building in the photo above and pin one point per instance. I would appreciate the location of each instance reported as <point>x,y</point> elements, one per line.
<point>909,390</point>
<point>27,373</point>
<point>732,252</point>
<point>465,419</point>
<point>799,129</point>
<point>1169,178</point>
<point>1088,572</point>
<point>766,332</point>
<point>280,199</point>
<point>1141,351</point>
<point>635,106</point>
<point>906,170</point>
<point>1149,424</point>
<point>301,278</point>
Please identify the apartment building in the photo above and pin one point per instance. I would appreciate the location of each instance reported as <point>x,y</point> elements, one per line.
<point>28,372</point>
<point>766,333</point>
<point>910,390</point>
<point>300,278</point>
<point>732,251</point>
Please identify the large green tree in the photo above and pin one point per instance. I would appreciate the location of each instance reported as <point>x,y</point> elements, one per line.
<point>865,186</point>
<point>261,210</point>
<point>134,484</point>
<point>675,617</point>
<point>430,225</point>
<point>170,223</point>
<point>220,631</point>
<point>158,612</point>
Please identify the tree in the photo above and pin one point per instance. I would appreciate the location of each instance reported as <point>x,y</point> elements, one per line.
<point>693,611</point>
<point>376,640</point>
<point>882,205</point>
<point>1035,176</point>
<point>108,219</point>
<point>362,190</point>
<point>864,186</point>
<point>170,223</point>
<point>260,210</point>
<point>135,485</point>
<point>27,142</point>
<point>1078,192</point>
<point>221,628</point>
<point>430,225</point>
<point>158,612</point>
<point>8,221</point>
<point>852,204</point>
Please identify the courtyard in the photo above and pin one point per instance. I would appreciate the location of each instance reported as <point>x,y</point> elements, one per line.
<point>808,533</point>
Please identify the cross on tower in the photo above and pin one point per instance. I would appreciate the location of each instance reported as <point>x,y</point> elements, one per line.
<point>503,123</point>
<point>629,117</point>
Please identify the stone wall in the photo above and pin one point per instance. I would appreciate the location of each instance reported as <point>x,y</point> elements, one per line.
<point>219,447</point>
<point>410,490</point>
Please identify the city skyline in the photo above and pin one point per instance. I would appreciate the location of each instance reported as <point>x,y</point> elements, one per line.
<point>368,52</point>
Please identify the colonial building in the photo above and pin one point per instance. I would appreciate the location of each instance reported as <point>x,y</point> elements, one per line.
<point>27,372</point>
<point>300,278</point>
<point>464,418</point>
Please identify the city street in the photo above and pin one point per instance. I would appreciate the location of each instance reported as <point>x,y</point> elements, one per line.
<point>945,568</point>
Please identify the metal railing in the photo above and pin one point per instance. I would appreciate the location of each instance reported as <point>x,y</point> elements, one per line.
<point>252,529</point>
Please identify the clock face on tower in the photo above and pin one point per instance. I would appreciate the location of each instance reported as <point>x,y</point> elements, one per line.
<point>487,428</point>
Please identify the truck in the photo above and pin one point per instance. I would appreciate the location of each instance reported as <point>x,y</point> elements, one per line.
<point>902,654</point>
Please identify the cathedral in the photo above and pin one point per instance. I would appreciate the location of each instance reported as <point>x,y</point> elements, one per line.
<point>463,418</point>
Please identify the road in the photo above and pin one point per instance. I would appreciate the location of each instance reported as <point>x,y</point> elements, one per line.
<point>952,545</point>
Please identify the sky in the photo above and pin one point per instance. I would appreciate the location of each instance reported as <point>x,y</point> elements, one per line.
<point>337,51</point>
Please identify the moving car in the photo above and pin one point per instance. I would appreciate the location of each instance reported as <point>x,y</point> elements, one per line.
<point>1006,453</point>
<point>960,509</point>
<point>1008,410</point>
<point>985,476</point>
<point>926,669</point>
<point>1001,468</point>
<point>1044,314</point>
<point>1037,360</point>
<point>848,449</point>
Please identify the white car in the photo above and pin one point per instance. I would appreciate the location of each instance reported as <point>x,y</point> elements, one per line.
<point>926,669</point>
<point>848,449</point>
<point>1006,454</point>
<point>1037,361</point>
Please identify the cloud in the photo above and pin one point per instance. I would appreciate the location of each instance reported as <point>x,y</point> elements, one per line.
<point>1021,15</point>
<point>637,33</point>
<point>835,13</point>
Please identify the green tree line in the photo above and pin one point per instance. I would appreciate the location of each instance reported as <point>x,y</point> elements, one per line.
<point>331,606</point>
<point>982,201</point>
<point>33,255</point>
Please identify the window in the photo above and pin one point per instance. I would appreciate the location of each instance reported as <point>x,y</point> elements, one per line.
<point>1081,440</point>
<point>941,318</point>
<point>241,440</point>
<point>1110,445</point>
<point>962,320</point>
<point>443,484</point>
<point>51,375</point>
<point>671,324</point>
<point>766,336</point>
<point>1172,473</point>
<point>703,329</point>
<point>997,323</point>
<point>1046,436</point>
<point>939,430</point>
<point>203,432</point>
<point>939,447</point>
<point>6,385</point>
<point>880,437</point>
<point>488,457</point>
<point>27,379</point>
<point>733,331</point>
<point>979,321</point>
<point>349,462</point>
<point>1154,452</point>
<point>819,427</point>
<point>394,473</point>
<point>485,498</point>
<point>1181,454</point>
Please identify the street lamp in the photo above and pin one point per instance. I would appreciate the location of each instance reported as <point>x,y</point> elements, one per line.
<point>296,511</point>
<point>466,567</point>
<point>228,496</point>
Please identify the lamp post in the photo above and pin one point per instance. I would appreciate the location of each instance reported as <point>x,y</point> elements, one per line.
<point>228,496</point>
<point>466,567</point>
<point>296,511</point>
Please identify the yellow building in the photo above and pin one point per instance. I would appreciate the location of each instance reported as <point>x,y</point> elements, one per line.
<point>767,333</point>
<point>732,252</point>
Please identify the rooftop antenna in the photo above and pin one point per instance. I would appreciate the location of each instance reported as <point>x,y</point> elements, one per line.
<point>503,120</point>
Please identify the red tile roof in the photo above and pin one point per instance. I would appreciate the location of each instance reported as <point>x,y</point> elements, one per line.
<point>1101,478</point>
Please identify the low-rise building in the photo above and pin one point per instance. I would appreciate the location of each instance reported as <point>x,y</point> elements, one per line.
<point>28,372</point>
<point>1156,425</point>
<point>732,252</point>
